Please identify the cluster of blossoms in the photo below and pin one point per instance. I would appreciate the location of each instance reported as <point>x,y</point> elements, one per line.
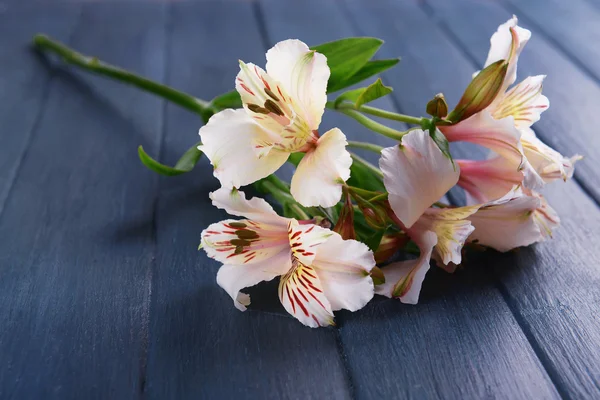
<point>323,270</point>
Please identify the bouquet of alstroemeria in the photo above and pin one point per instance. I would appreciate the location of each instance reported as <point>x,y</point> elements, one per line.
<point>341,216</point>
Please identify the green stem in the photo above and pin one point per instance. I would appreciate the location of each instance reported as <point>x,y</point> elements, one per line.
<point>362,192</point>
<point>366,146</point>
<point>392,115</point>
<point>92,64</point>
<point>379,113</point>
<point>366,164</point>
<point>373,125</point>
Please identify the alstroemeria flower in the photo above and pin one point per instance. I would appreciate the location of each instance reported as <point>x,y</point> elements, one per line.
<point>515,220</point>
<point>487,180</point>
<point>498,127</point>
<point>416,175</point>
<point>282,111</point>
<point>320,272</point>
<point>548,163</point>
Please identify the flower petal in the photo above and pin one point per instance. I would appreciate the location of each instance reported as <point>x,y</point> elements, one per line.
<point>243,241</point>
<point>487,180</point>
<point>545,216</point>
<point>304,74</point>
<point>498,135</point>
<point>547,163</point>
<point>451,227</point>
<point>234,277</point>
<point>524,102</point>
<point>416,175</point>
<point>301,294</point>
<point>305,240</point>
<point>229,140</point>
<point>256,209</point>
<point>343,268</point>
<point>507,223</point>
<point>319,177</point>
<point>506,44</point>
<point>404,279</point>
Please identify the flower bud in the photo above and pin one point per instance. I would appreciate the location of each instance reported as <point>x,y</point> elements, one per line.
<point>374,213</point>
<point>377,276</point>
<point>390,244</point>
<point>316,220</point>
<point>345,222</point>
<point>437,107</point>
<point>480,93</point>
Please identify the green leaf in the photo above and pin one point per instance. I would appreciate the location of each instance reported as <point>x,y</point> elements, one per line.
<point>227,100</point>
<point>441,141</point>
<point>373,240</point>
<point>362,96</point>
<point>185,164</point>
<point>361,176</point>
<point>371,68</point>
<point>346,57</point>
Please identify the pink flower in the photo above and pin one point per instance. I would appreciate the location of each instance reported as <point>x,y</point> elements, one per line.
<point>416,175</point>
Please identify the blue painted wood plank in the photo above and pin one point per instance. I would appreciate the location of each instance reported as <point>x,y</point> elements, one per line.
<point>572,93</point>
<point>24,82</point>
<point>201,346</point>
<point>560,323</point>
<point>395,350</point>
<point>572,27</point>
<point>77,234</point>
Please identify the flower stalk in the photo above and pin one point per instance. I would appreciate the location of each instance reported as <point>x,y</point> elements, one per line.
<point>94,65</point>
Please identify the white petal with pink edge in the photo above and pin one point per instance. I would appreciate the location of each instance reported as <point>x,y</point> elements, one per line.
<point>229,140</point>
<point>235,277</point>
<point>416,174</point>
<point>404,279</point>
<point>343,268</point>
<point>524,102</point>
<point>487,180</point>
<point>319,177</point>
<point>304,74</point>
<point>301,293</point>
<point>507,223</point>
<point>498,135</point>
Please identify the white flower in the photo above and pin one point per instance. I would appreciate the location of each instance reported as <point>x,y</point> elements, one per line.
<point>320,272</point>
<point>517,219</point>
<point>282,111</point>
<point>487,180</point>
<point>500,126</point>
<point>416,175</point>
<point>548,163</point>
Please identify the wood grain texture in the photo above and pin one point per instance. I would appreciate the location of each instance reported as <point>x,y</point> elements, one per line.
<point>573,29</point>
<point>76,229</point>
<point>104,295</point>
<point>455,343</point>
<point>201,346</point>
<point>573,94</point>
<point>552,287</point>
<point>24,81</point>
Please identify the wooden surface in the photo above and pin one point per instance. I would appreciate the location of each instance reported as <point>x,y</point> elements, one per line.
<point>103,294</point>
